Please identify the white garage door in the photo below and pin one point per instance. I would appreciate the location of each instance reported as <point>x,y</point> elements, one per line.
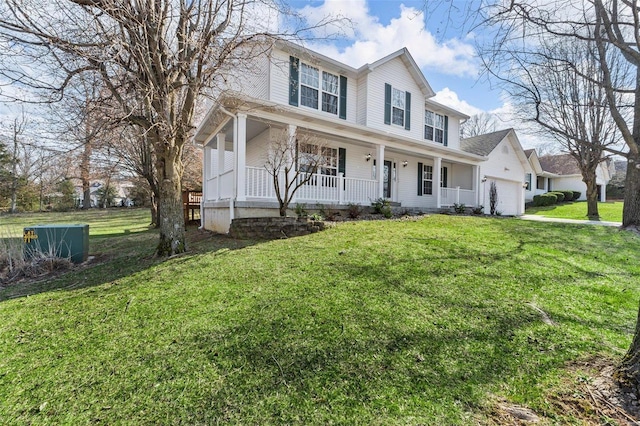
<point>508,196</point>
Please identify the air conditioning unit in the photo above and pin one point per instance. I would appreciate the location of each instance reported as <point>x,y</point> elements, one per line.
<point>64,241</point>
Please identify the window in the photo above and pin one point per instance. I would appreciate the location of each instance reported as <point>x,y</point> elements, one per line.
<point>320,160</point>
<point>434,126</point>
<point>312,87</point>
<point>397,106</point>
<point>540,182</point>
<point>310,92</point>
<point>427,180</point>
<point>309,84</point>
<point>330,88</point>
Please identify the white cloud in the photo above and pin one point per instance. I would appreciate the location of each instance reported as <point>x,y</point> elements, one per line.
<point>450,98</point>
<point>371,40</point>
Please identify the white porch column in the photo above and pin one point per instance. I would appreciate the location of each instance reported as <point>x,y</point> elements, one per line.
<point>603,193</point>
<point>475,185</point>
<point>206,171</point>
<point>291,135</point>
<point>220,166</point>
<point>437,177</point>
<point>380,170</point>
<point>241,156</point>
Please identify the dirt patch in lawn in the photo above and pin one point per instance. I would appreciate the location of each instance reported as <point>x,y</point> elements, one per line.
<point>589,394</point>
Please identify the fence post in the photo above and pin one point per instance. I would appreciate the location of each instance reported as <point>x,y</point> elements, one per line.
<point>457,195</point>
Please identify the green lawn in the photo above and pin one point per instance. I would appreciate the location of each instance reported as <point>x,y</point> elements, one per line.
<point>384,322</point>
<point>609,212</point>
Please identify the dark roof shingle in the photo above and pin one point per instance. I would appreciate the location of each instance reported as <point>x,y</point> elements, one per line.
<point>561,164</point>
<point>483,144</point>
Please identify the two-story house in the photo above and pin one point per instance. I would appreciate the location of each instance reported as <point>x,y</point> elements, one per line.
<point>383,136</point>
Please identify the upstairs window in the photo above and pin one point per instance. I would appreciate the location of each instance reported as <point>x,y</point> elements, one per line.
<point>309,85</point>
<point>397,106</point>
<point>312,87</point>
<point>434,126</point>
<point>330,91</point>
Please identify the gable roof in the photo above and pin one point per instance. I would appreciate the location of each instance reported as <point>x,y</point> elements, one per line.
<point>561,164</point>
<point>411,65</point>
<point>483,144</point>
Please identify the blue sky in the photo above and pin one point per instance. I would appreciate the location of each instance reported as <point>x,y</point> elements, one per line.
<point>437,38</point>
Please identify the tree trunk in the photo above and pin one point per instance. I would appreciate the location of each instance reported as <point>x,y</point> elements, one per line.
<point>631,209</point>
<point>589,178</point>
<point>628,372</point>
<point>283,210</point>
<point>155,220</point>
<point>171,217</point>
<point>84,174</point>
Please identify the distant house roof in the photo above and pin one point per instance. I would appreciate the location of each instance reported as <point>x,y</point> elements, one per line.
<point>483,144</point>
<point>528,152</point>
<point>561,164</point>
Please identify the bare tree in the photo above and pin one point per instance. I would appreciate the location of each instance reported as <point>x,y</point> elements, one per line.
<point>478,124</point>
<point>161,53</point>
<point>608,24</point>
<point>293,159</point>
<point>17,130</point>
<point>557,87</point>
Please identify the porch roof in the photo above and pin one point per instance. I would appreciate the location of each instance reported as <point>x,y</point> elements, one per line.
<point>214,121</point>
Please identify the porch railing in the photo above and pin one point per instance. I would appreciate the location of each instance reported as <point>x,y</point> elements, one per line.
<point>451,196</point>
<point>320,188</point>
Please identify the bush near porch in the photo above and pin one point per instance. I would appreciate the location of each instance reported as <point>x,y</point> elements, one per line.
<point>430,321</point>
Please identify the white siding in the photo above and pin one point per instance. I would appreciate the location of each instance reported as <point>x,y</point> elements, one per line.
<point>252,79</point>
<point>573,183</point>
<point>279,77</point>
<point>453,134</point>
<point>257,149</point>
<point>361,113</point>
<point>460,175</point>
<point>395,73</point>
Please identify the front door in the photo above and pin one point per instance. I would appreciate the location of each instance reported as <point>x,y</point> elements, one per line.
<point>387,179</point>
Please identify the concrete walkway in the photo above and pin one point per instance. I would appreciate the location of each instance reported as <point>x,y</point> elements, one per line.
<point>537,218</point>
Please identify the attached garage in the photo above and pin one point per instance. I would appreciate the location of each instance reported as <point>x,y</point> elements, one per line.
<point>506,165</point>
<point>510,196</point>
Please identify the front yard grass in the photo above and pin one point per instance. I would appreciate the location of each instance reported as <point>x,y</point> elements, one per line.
<point>384,322</point>
<point>611,211</point>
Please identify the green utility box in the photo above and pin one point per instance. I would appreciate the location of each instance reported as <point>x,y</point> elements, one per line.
<point>65,241</point>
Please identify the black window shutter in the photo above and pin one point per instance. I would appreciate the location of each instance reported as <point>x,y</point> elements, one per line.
<point>419,178</point>
<point>407,111</point>
<point>294,80</point>
<point>387,103</point>
<point>343,97</point>
<point>446,130</point>
<point>443,183</point>
<point>342,165</point>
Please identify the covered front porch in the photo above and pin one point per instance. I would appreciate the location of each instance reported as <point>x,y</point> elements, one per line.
<point>237,184</point>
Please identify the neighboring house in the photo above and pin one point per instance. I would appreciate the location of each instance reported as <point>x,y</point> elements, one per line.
<point>122,188</point>
<point>506,165</point>
<point>559,172</point>
<point>385,137</point>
